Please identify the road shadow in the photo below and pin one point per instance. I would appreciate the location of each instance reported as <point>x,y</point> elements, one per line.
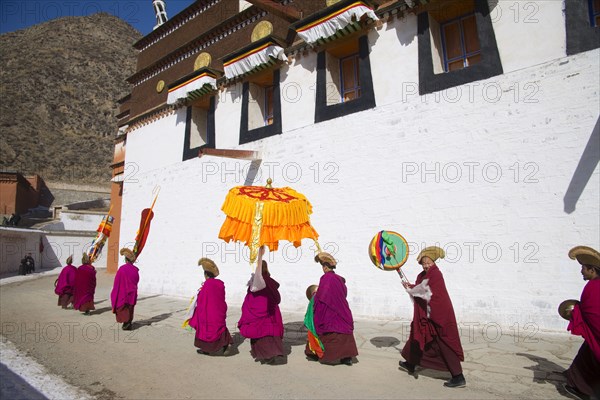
<point>12,386</point>
<point>294,334</point>
<point>99,311</point>
<point>100,301</point>
<point>147,322</point>
<point>233,350</point>
<point>542,371</point>
<point>385,342</point>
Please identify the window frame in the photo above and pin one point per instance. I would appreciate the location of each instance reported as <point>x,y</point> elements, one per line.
<point>489,66</point>
<point>593,13</point>
<point>251,135</point>
<point>189,153</point>
<point>581,35</point>
<point>325,112</point>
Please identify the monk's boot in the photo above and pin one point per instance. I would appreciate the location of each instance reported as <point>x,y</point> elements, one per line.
<point>126,326</point>
<point>575,393</point>
<point>346,361</point>
<point>457,381</point>
<point>406,366</point>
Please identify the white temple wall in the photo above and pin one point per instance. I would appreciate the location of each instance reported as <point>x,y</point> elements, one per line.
<point>528,33</point>
<point>228,112</point>
<point>488,171</point>
<point>155,145</point>
<point>297,87</point>
<point>394,51</point>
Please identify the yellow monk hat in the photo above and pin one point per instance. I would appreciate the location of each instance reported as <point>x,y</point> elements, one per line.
<point>325,259</point>
<point>70,260</point>
<point>209,265</point>
<point>432,252</point>
<point>128,254</point>
<point>585,256</point>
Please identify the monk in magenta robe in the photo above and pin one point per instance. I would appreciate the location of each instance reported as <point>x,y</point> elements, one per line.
<point>332,317</point>
<point>124,293</point>
<point>210,313</point>
<point>261,320</point>
<point>85,286</point>
<point>434,340</point>
<point>583,376</point>
<point>65,284</point>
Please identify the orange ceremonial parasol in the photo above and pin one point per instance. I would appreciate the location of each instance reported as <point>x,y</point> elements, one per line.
<point>262,216</point>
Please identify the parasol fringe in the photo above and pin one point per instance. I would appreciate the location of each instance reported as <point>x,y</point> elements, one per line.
<point>233,229</point>
<point>294,212</point>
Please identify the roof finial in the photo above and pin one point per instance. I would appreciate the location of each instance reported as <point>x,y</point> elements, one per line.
<point>160,9</point>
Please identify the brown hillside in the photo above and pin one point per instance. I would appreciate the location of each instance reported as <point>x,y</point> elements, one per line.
<point>59,84</point>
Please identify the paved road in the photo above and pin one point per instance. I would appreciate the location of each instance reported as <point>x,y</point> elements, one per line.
<point>157,359</point>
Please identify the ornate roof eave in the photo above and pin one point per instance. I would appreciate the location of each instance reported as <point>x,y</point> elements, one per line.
<point>398,9</point>
<point>215,31</point>
<point>214,72</point>
<point>328,11</point>
<point>149,116</point>
<point>401,8</point>
<point>224,81</point>
<point>190,10</point>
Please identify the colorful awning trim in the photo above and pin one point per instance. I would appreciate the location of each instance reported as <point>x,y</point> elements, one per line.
<point>331,24</point>
<point>204,83</point>
<point>253,59</point>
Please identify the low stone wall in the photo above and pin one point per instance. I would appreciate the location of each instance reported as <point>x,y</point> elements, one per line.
<point>49,249</point>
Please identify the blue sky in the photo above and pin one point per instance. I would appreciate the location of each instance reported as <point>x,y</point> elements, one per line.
<point>20,14</point>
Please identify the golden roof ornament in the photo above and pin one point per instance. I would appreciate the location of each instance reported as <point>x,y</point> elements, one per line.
<point>160,86</point>
<point>203,60</point>
<point>261,30</point>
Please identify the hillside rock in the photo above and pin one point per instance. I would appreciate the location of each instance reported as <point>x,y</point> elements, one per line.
<point>59,86</point>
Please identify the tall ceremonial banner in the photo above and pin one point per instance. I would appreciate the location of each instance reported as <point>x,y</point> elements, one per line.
<point>144,229</point>
<point>103,230</point>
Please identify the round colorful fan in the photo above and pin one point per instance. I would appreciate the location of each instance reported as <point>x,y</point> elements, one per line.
<point>388,250</point>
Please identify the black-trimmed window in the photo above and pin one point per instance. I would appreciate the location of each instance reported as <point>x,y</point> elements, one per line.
<point>261,106</point>
<point>594,7</point>
<point>581,20</point>
<point>457,45</point>
<point>344,81</point>
<point>199,127</point>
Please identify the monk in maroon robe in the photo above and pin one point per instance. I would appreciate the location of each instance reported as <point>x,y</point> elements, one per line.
<point>434,341</point>
<point>583,376</point>
<point>85,286</point>
<point>210,313</point>
<point>332,316</point>
<point>261,320</point>
<point>65,284</point>
<point>124,293</point>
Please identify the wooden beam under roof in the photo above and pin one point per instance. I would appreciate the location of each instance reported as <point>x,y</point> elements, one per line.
<point>288,12</point>
<point>229,153</point>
